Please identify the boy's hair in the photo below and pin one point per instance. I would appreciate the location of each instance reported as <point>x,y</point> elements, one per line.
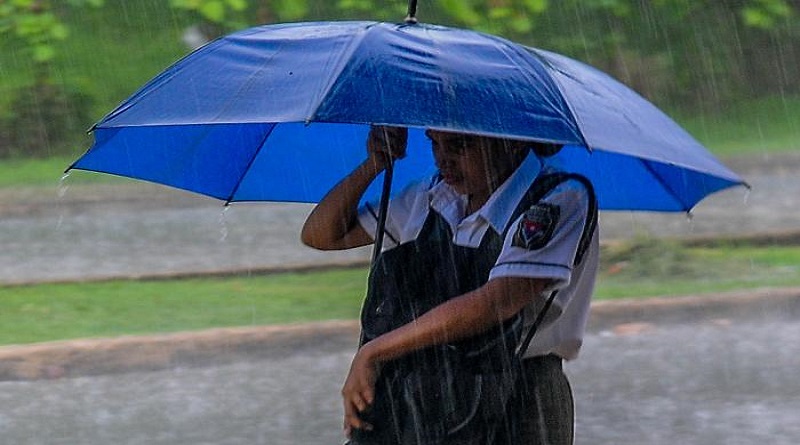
<point>545,150</point>
<point>542,149</point>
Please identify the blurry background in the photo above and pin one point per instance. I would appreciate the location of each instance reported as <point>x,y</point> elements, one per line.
<point>726,68</point>
<point>97,256</point>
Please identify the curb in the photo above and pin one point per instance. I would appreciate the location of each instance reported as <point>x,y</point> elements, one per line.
<point>740,306</point>
<point>93,357</point>
<point>88,357</point>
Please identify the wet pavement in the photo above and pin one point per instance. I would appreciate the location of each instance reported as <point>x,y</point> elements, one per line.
<point>129,228</point>
<point>720,381</point>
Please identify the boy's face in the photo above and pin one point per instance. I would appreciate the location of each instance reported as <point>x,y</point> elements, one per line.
<point>466,162</point>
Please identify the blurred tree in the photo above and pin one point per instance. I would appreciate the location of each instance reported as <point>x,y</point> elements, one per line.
<point>37,26</point>
<point>675,52</point>
<point>272,11</point>
<point>672,51</point>
<point>221,16</point>
<point>218,16</point>
<point>44,112</point>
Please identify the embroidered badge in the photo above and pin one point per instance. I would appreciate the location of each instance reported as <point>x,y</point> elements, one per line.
<point>537,226</point>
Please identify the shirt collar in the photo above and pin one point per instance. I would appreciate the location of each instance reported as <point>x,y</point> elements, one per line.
<point>501,204</point>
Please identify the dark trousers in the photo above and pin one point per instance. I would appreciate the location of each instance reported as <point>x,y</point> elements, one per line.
<point>543,407</point>
<point>540,413</point>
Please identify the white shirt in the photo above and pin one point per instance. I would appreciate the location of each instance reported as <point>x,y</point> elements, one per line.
<point>563,329</point>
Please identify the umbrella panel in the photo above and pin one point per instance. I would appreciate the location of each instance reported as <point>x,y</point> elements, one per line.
<point>300,163</point>
<point>280,113</point>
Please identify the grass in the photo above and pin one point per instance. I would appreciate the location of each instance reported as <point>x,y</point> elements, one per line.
<point>749,127</point>
<point>35,172</point>
<point>46,312</point>
<point>655,267</point>
<point>45,172</point>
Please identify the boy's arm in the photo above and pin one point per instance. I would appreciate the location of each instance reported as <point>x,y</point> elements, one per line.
<point>333,224</point>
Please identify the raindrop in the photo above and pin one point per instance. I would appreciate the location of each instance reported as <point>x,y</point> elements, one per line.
<point>63,186</point>
<point>746,197</point>
<point>61,192</point>
<point>690,221</point>
<point>223,224</point>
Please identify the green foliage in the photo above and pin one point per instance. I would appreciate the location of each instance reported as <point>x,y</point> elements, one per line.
<point>235,14</point>
<point>41,114</point>
<point>765,125</point>
<point>35,24</point>
<point>386,10</point>
<point>290,10</point>
<point>703,55</point>
<point>220,12</point>
<point>675,52</point>
<point>42,119</point>
<point>766,14</point>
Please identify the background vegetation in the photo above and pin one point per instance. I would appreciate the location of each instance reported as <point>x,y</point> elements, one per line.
<point>726,69</point>
<point>66,63</point>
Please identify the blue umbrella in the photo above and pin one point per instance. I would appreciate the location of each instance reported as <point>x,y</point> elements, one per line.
<point>281,113</point>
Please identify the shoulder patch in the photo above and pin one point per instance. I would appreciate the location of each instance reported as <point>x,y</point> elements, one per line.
<point>537,226</point>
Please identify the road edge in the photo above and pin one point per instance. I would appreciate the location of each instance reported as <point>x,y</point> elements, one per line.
<point>89,357</point>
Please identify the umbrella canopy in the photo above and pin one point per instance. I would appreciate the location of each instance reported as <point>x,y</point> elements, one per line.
<point>281,113</point>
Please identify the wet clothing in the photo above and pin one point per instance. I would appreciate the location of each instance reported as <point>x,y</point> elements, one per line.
<point>562,333</point>
<point>443,389</point>
<point>544,405</point>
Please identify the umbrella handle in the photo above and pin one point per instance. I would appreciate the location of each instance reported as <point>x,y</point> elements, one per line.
<point>384,207</point>
<point>411,18</point>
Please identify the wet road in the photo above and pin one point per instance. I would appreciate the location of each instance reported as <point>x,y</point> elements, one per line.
<point>128,228</point>
<point>718,382</point>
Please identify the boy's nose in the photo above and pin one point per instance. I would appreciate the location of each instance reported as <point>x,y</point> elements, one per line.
<point>443,157</point>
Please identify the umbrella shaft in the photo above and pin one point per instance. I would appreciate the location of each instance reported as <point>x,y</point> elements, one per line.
<point>412,12</point>
<point>384,208</point>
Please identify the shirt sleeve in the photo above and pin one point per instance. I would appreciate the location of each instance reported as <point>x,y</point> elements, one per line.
<point>543,241</point>
<point>402,209</point>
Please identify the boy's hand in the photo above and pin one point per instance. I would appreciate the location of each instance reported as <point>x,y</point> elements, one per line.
<point>386,143</point>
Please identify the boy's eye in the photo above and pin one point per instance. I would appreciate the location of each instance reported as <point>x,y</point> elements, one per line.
<point>453,144</point>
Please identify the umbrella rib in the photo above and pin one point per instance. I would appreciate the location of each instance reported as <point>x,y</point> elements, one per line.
<point>341,63</point>
<point>546,63</point>
<point>664,184</point>
<point>147,88</point>
<point>249,164</point>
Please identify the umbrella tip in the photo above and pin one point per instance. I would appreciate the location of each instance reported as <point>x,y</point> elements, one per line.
<point>411,18</point>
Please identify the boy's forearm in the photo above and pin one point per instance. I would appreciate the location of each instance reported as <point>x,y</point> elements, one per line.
<point>464,316</point>
<point>336,214</point>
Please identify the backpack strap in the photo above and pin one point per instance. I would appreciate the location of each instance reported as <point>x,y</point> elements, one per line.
<point>543,185</point>
<point>546,183</point>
